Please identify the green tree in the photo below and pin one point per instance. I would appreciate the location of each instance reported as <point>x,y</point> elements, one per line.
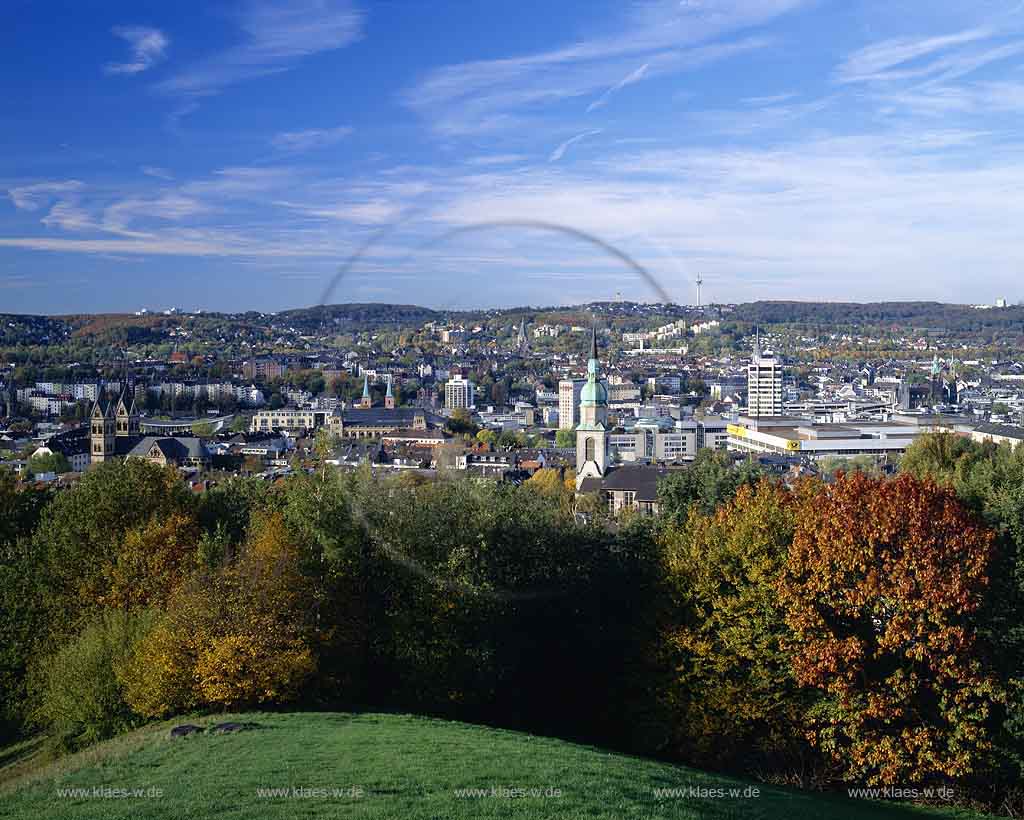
<point>203,429</point>
<point>565,439</point>
<point>76,691</point>
<point>82,532</point>
<point>52,463</point>
<point>461,422</point>
<point>710,480</point>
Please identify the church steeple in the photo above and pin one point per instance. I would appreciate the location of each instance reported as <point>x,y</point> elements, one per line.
<point>366,401</point>
<point>592,434</point>
<point>389,397</point>
<point>102,433</point>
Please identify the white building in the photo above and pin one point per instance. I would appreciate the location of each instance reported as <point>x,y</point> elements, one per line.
<point>569,403</point>
<point>802,437</point>
<point>459,393</point>
<point>764,384</point>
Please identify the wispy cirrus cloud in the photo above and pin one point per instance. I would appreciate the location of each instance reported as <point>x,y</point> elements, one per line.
<point>310,139</point>
<point>666,37</point>
<point>496,159</point>
<point>276,34</point>
<point>903,57</point>
<point>35,196</point>
<point>753,118</point>
<point>156,171</point>
<point>633,77</point>
<point>559,152</point>
<point>148,47</point>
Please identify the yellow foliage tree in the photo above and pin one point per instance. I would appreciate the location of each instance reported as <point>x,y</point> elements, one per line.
<point>153,561</point>
<point>235,638</point>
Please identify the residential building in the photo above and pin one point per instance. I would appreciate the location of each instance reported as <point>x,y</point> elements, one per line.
<point>999,434</point>
<point>263,369</point>
<point>459,393</point>
<point>291,419</point>
<point>569,402</point>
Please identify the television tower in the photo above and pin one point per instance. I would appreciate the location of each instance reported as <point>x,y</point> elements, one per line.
<point>699,283</point>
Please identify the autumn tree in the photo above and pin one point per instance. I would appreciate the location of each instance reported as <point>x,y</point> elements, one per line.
<point>989,480</point>
<point>152,562</point>
<point>83,530</point>
<point>234,638</point>
<point>731,692</point>
<point>881,585</point>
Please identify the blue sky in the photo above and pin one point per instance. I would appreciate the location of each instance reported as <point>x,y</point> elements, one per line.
<point>232,155</point>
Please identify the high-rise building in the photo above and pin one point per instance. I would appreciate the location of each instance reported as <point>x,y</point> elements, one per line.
<point>764,383</point>
<point>458,392</point>
<point>569,402</point>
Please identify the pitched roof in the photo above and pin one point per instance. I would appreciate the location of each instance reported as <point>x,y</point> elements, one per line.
<point>383,416</point>
<point>1006,430</point>
<point>177,448</point>
<point>639,478</point>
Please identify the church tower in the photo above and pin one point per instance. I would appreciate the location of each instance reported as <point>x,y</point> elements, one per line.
<point>101,433</point>
<point>366,401</point>
<point>127,418</point>
<point>592,432</point>
<point>389,397</point>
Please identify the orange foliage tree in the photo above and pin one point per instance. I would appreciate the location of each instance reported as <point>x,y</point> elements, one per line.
<point>880,586</point>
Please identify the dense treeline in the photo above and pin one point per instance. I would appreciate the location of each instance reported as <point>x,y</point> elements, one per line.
<point>864,630</point>
<point>907,315</point>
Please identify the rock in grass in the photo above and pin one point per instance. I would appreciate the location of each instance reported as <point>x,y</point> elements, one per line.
<point>185,730</point>
<point>230,726</point>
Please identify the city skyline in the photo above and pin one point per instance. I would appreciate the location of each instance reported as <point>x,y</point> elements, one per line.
<point>232,156</point>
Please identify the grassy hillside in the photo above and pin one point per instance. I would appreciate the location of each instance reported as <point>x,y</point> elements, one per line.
<point>387,766</point>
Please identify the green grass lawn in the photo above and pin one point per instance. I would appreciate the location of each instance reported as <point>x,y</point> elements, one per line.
<point>385,766</point>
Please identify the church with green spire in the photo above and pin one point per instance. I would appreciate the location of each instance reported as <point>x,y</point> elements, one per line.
<point>592,431</point>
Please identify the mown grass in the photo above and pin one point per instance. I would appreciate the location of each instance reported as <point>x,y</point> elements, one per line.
<point>391,766</point>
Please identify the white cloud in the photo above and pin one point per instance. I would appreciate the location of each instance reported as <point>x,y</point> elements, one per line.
<point>629,79</point>
<point>751,119</point>
<point>310,139</point>
<point>157,172</point>
<point>485,95</point>
<point>559,152</point>
<point>171,207</point>
<point>497,159</point>
<point>148,47</point>
<point>33,197</point>
<point>276,34</point>
<point>69,216</point>
<point>874,62</point>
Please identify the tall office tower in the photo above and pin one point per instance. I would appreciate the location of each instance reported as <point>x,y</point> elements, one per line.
<point>458,392</point>
<point>569,403</point>
<point>764,383</point>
